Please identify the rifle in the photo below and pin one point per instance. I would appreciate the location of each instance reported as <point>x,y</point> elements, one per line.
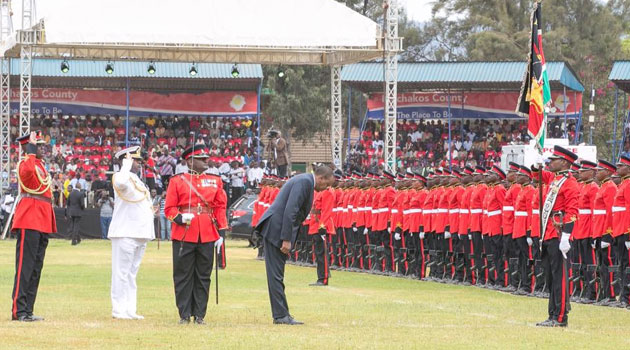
<point>7,224</point>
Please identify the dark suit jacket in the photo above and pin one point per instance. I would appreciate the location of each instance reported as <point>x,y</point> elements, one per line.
<point>283,218</point>
<point>75,203</point>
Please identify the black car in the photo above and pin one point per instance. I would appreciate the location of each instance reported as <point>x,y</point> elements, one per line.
<point>240,216</point>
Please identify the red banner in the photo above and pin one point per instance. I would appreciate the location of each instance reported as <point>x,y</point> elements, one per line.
<point>474,105</point>
<point>141,103</point>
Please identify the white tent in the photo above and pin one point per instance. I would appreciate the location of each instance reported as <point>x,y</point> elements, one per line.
<point>269,31</point>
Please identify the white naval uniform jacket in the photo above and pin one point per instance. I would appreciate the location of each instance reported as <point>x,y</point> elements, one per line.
<point>133,209</point>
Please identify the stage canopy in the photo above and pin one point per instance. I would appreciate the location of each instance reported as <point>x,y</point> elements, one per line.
<point>87,89</point>
<point>244,31</point>
<point>620,75</point>
<point>475,90</point>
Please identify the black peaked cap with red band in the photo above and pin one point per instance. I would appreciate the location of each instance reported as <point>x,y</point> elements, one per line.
<point>196,151</point>
<point>604,164</point>
<point>563,153</point>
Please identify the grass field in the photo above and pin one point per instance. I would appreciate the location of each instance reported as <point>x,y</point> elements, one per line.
<point>357,311</point>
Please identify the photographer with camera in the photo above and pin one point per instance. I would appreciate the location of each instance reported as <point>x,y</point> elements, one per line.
<point>278,147</point>
<point>106,204</point>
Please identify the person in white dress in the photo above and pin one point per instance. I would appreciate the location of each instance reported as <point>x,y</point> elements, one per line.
<point>130,230</point>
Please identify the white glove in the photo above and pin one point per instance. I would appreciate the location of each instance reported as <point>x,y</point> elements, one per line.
<point>389,230</point>
<point>447,235</point>
<point>539,159</point>
<point>605,245</point>
<point>482,237</point>
<point>323,237</point>
<point>187,218</point>
<point>218,243</point>
<point>530,241</point>
<point>365,231</point>
<point>421,235</point>
<point>470,237</point>
<point>593,244</point>
<point>565,246</point>
<point>354,229</point>
<point>627,243</point>
<point>397,236</point>
<point>126,164</point>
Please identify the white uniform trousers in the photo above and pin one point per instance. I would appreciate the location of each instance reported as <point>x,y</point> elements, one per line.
<point>126,257</point>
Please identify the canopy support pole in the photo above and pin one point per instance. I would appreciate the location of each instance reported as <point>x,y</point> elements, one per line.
<point>5,99</point>
<point>564,104</point>
<point>127,114</point>
<point>450,139</point>
<point>335,116</point>
<point>258,122</point>
<point>349,122</point>
<point>614,147</point>
<point>390,71</point>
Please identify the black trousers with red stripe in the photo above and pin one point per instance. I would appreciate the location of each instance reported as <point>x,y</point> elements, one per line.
<point>557,280</point>
<point>623,261</point>
<point>586,256</point>
<point>222,256</point>
<point>30,250</point>
<point>322,258</point>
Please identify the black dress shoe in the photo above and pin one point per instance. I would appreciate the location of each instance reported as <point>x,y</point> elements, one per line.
<point>555,323</point>
<point>184,320</point>
<point>546,323</point>
<point>318,284</point>
<point>288,320</point>
<point>199,320</point>
<point>25,318</point>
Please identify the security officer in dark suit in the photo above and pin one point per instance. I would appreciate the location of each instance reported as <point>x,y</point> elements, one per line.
<point>74,210</point>
<point>278,227</point>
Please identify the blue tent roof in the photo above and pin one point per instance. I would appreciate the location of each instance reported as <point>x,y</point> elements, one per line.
<point>620,75</point>
<point>167,76</point>
<point>368,77</point>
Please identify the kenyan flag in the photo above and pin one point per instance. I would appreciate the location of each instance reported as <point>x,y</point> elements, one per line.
<point>535,92</point>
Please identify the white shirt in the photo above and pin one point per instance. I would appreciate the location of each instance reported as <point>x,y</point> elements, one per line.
<point>181,168</point>
<point>236,177</point>
<point>255,174</point>
<point>213,171</point>
<point>133,208</point>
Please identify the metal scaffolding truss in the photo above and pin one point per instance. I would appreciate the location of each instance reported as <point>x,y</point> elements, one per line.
<point>6,28</point>
<point>27,39</point>
<point>335,115</point>
<point>393,45</point>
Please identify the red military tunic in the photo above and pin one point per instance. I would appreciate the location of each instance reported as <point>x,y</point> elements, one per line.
<point>523,211</point>
<point>385,200</point>
<point>454,204</point>
<point>440,211</point>
<point>584,225</point>
<point>602,209</point>
<point>180,199</point>
<point>415,210</point>
<point>34,210</point>
<point>322,213</point>
<point>427,211</point>
<point>359,215</point>
<point>396,212</point>
<point>534,219</point>
<point>407,216</point>
<point>370,202</point>
<point>495,208</point>
<point>508,208</point>
<point>476,207</point>
<point>566,201</point>
<point>621,209</point>
<point>464,210</point>
<point>258,206</point>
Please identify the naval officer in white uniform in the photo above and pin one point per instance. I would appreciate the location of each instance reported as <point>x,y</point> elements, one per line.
<point>130,230</point>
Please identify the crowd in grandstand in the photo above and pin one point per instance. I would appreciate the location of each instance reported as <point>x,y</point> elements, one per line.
<point>420,144</point>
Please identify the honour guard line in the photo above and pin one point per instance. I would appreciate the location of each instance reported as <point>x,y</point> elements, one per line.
<point>477,226</point>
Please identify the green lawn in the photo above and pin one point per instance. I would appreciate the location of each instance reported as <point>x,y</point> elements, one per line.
<point>358,311</point>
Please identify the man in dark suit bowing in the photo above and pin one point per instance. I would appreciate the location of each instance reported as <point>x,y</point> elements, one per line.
<point>279,225</point>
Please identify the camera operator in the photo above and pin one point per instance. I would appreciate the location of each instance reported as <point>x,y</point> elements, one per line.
<point>106,204</point>
<point>237,173</point>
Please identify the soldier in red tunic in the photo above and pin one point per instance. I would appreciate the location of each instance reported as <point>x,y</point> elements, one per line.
<point>560,210</point>
<point>621,227</point>
<point>33,220</point>
<point>195,203</point>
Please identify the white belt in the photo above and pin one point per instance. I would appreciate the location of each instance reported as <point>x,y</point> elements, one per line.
<point>442,211</point>
<point>520,213</point>
<point>508,208</point>
<point>475,211</point>
<point>535,212</point>
<point>362,209</point>
<point>414,211</point>
<point>367,208</point>
<point>584,211</point>
<point>463,211</point>
<point>599,212</point>
<point>618,209</point>
<point>354,210</point>
<point>493,213</point>
<point>485,212</point>
<point>336,210</point>
<point>428,211</point>
<point>395,211</point>
<point>382,210</point>
<point>406,211</point>
<point>453,211</point>
<point>350,207</point>
<point>345,210</point>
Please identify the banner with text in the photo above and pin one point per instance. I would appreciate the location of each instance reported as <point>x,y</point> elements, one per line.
<point>469,105</point>
<point>141,103</point>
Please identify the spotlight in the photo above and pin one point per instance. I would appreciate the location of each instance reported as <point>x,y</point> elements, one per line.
<point>193,70</point>
<point>235,72</point>
<point>281,73</point>
<point>109,68</point>
<point>151,68</point>
<point>65,68</point>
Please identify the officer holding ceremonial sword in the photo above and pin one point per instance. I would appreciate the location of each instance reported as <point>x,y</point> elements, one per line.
<point>196,205</point>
